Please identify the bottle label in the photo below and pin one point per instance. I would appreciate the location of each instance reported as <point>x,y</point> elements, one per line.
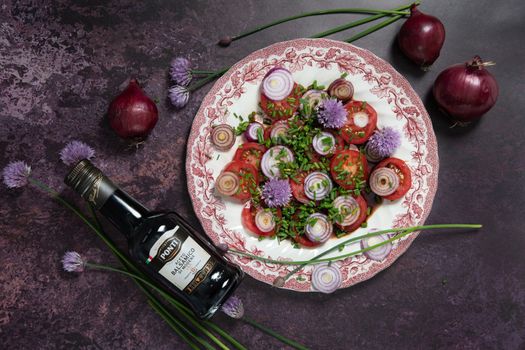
<point>181,260</point>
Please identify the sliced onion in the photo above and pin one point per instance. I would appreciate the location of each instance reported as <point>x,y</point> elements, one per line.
<point>271,159</point>
<point>279,129</point>
<point>326,278</point>
<point>341,89</point>
<point>228,183</point>
<point>314,97</point>
<point>360,119</point>
<point>264,220</point>
<point>277,84</point>
<point>324,143</point>
<point>318,228</point>
<point>371,156</point>
<point>317,185</point>
<point>252,131</point>
<point>223,137</point>
<point>384,181</point>
<point>348,208</point>
<point>379,253</point>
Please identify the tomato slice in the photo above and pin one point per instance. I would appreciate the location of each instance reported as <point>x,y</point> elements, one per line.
<point>363,206</point>
<point>251,153</point>
<point>403,172</point>
<point>305,242</point>
<point>353,133</point>
<point>348,168</point>
<point>248,175</point>
<point>248,220</point>
<point>284,108</point>
<point>298,188</point>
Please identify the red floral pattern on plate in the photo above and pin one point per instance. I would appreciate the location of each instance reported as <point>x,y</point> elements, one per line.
<point>297,55</point>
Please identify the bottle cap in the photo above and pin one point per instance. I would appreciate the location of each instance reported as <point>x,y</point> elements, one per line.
<point>88,181</point>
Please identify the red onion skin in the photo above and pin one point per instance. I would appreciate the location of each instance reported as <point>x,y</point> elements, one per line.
<point>132,114</point>
<point>466,91</point>
<point>421,37</point>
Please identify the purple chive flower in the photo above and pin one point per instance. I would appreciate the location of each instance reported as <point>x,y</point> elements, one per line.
<point>75,151</point>
<point>384,142</point>
<point>73,262</point>
<point>332,114</point>
<point>276,193</point>
<point>16,174</point>
<point>233,307</point>
<point>180,71</point>
<point>179,96</point>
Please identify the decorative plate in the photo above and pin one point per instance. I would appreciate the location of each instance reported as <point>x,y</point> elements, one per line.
<point>376,82</point>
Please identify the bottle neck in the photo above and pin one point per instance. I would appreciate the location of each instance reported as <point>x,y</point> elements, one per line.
<point>124,212</point>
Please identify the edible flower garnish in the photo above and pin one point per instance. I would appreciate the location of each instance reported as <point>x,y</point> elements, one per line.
<point>332,114</point>
<point>276,193</point>
<point>384,142</point>
<point>233,307</point>
<point>73,262</point>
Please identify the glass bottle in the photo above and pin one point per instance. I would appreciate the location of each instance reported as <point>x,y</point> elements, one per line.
<point>161,244</point>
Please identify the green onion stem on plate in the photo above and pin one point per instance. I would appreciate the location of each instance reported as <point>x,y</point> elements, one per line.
<point>318,258</point>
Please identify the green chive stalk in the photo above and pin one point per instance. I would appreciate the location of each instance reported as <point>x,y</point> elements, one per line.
<point>381,13</point>
<point>396,12</point>
<point>318,258</point>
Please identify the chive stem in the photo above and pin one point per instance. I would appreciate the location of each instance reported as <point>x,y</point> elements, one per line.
<point>373,29</point>
<point>319,13</point>
<point>355,23</point>
<point>405,231</point>
<point>274,334</point>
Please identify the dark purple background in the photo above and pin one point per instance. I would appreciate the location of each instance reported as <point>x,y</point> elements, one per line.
<point>62,62</point>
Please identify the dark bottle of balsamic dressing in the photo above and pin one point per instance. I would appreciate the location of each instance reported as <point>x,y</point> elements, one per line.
<point>162,244</point>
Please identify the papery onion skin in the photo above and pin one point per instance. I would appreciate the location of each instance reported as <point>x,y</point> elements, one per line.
<point>341,89</point>
<point>132,114</point>
<point>421,37</point>
<point>466,91</point>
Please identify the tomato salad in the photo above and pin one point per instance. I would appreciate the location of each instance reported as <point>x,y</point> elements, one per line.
<point>305,172</point>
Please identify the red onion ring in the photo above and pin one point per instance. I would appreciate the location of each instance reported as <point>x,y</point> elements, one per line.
<point>317,185</point>
<point>279,129</point>
<point>347,206</point>
<point>379,253</point>
<point>321,230</point>
<point>228,183</point>
<point>264,220</point>
<point>314,97</point>
<point>341,89</point>
<point>384,181</point>
<point>277,84</point>
<point>251,132</point>
<point>372,157</point>
<point>272,157</point>
<point>326,278</point>
<point>223,137</point>
<point>321,145</point>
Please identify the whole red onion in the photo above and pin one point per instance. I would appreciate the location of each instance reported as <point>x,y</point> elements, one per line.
<point>132,114</point>
<point>466,91</point>
<point>421,37</point>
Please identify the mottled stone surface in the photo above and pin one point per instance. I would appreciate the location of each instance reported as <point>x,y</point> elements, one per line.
<point>62,62</point>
